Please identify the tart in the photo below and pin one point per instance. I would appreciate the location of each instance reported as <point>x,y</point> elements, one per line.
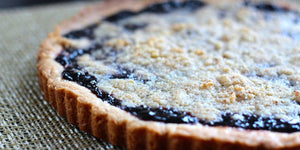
<point>178,74</point>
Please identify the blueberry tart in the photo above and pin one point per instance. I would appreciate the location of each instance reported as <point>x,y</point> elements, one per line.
<point>178,74</point>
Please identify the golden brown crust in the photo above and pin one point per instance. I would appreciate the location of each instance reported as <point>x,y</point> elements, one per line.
<point>118,127</point>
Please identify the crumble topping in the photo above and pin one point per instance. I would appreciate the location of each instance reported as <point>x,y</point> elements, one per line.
<point>207,62</point>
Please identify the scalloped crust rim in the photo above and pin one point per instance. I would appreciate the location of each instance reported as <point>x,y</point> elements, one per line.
<point>111,124</point>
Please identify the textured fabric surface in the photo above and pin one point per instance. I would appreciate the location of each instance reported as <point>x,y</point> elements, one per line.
<point>27,121</point>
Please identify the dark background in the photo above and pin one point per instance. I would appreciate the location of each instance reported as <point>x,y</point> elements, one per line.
<point>7,4</point>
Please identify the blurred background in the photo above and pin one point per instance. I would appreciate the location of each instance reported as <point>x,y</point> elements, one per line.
<point>7,4</point>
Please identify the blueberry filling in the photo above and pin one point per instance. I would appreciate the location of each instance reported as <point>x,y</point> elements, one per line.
<point>68,57</point>
<point>173,5</point>
<point>76,73</point>
<point>133,27</point>
<point>157,8</point>
<point>89,81</point>
<point>166,7</point>
<point>254,122</point>
<point>121,15</point>
<point>222,14</point>
<point>161,114</point>
<point>295,36</point>
<point>110,52</point>
<point>87,32</point>
<point>270,7</point>
<point>267,7</point>
<point>73,72</point>
<point>124,73</point>
<point>296,21</point>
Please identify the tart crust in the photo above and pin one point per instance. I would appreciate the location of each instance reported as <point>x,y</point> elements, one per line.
<point>81,107</point>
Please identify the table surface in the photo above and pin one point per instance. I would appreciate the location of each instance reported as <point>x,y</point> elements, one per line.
<point>27,121</point>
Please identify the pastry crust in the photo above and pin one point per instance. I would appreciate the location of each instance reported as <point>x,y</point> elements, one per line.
<point>118,127</point>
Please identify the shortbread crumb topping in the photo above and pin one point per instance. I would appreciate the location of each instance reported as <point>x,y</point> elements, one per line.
<point>207,62</point>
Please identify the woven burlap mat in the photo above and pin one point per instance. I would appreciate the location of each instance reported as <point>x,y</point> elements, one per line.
<point>27,121</point>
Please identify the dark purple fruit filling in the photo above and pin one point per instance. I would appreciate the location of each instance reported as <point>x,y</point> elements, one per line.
<point>68,56</point>
<point>120,15</point>
<point>74,72</point>
<point>89,81</point>
<point>293,35</point>
<point>168,115</point>
<point>87,32</point>
<point>132,27</point>
<point>173,5</point>
<point>296,20</point>
<point>271,8</point>
<point>157,8</point>
<point>255,122</point>
<point>267,7</point>
<point>123,73</point>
